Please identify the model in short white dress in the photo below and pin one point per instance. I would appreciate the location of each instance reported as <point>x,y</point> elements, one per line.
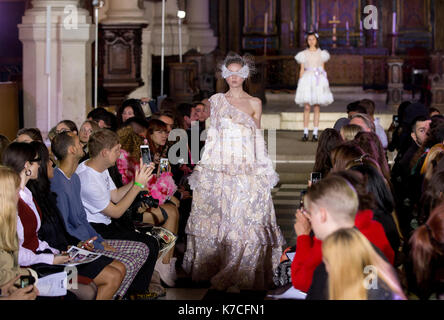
<point>313,87</point>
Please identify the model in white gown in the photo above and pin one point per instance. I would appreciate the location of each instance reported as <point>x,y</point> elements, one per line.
<point>313,87</point>
<point>233,239</point>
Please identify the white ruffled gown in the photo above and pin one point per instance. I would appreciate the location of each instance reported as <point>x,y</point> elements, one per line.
<point>232,235</point>
<point>313,87</point>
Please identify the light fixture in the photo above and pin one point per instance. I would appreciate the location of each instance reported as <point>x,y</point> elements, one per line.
<point>181,14</point>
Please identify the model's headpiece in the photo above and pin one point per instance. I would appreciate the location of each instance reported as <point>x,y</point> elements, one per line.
<point>246,62</point>
<point>243,73</point>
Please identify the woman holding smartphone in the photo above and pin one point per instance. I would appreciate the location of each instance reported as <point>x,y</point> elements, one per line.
<point>166,215</point>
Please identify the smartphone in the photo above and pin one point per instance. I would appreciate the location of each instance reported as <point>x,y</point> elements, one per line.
<point>301,202</point>
<point>26,281</point>
<point>146,155</point>
<point>395,120</point>
<point>315,177</point>
<point>164,165</point>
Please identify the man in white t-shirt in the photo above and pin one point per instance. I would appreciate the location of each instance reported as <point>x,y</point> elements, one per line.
<point>103,201</point>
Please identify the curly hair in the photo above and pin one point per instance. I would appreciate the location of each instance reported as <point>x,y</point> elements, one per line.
<point>130,141</point>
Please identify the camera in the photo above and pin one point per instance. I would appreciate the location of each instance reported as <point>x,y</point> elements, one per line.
<point>144,197</point>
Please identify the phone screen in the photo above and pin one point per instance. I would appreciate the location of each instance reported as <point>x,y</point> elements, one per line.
<point>315,177</point>
<point>146,155</point>
<point>164,165</point>
<point>301,202</point>
<point>26,281</point>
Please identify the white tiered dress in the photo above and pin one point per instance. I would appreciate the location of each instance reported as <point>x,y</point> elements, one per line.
<point>313,87</point>
<point>232,235</point>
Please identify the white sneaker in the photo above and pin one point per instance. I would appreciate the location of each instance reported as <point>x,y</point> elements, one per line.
<point>167,272</point>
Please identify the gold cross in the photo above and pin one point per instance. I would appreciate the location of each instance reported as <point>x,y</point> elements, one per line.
<point>334,21</point>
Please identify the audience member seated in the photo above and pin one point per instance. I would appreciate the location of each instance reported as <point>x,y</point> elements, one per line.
<point>384,210</point>
<point>66,126</point>
<point>329,205</point>
<point>344,154</point>
<point>187,115</point>
<point>432,197</point>
<point>28,135</point>
<point>168,118</point>
<point>103,118</point>
<point>427,255</point>
<point>400,174</point>
<point>341,122</point>
<point>138,125</point>
<point>364,121</point>
<point>10,271</point>
<point>308,249</point>
<point>23,159</point>
<point>106,273</point>
<point>416,179</point>
<point>87,128</point>
<point>369,106</point>
<point>371,144</point>
<point>201,115</point>
<point>103,202</point>
<point>349,131</point>
<point>355,108</point>
<point>431,161</point>
<point>129,109</point>
<point>66,185</point>
<point>356,271</point>
<point>399,130</point>
<point>328,140</point>
<point>157,138</point>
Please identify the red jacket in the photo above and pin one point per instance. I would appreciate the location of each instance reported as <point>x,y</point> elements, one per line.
<point>309,250</point>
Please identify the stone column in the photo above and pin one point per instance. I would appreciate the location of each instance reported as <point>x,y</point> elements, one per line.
<point>201,35</point>
<point>71,79</point>
<point>127,13</point>
<point>145,91</point>
<point>171,30</point>
<point>395,84</point>
<point>124,12</point>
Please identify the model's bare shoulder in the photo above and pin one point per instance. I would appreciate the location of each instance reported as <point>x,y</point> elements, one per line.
<point>256,104</point>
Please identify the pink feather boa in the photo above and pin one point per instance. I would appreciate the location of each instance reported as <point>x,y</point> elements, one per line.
<point>162,187</point>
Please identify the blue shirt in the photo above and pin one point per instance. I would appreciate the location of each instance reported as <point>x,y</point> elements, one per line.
<point>70,205</point>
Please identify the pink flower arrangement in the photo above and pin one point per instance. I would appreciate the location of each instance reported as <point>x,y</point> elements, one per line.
<point>162,187</point>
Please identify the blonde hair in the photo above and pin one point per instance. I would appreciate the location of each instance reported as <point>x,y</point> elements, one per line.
<point>9,182</point>
<point>349,131</point>
<point>337,195</point>
<point>347,253</point>
<point>431,160</point>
